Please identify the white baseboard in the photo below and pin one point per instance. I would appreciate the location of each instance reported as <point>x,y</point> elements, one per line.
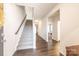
<point>55,40</point>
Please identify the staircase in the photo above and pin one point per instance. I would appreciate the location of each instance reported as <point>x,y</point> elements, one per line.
<point>26,40</point>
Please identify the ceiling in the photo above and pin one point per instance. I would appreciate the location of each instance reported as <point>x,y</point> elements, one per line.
<point>40,9</point>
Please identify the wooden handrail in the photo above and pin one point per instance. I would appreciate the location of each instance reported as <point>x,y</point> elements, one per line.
<point>20,25</point>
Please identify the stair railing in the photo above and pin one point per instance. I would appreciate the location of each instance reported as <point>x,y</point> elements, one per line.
<point>20,25</point>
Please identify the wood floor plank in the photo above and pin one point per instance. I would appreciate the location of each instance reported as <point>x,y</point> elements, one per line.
<point>42,49</point>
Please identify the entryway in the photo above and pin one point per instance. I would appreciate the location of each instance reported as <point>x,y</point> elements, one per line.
<point>54,31</point>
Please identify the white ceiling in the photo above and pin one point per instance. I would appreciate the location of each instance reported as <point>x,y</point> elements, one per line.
<point>40,9</point>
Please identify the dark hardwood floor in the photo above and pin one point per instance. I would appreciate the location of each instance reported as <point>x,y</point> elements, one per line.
<point>42,49</point>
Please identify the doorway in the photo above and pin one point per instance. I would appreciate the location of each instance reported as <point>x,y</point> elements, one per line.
<point>54,31</point>
<point>54,26</point>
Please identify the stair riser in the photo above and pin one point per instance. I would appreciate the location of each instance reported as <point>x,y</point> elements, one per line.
<point>26,44</point>
<point>27,36</point>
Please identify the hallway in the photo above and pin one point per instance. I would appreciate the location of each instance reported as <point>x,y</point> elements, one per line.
<point>57,26</point>
<point>41,49</point>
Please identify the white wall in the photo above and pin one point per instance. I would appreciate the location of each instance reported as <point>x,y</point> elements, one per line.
<point>29,12</point>
<point>59,23</point>
<point>69,32</point>
<point>42,28</point>
<point>13,17</point>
